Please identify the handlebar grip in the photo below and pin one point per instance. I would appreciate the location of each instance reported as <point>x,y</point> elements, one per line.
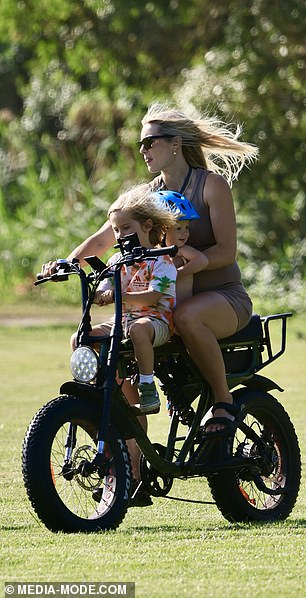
<point>171,250</point>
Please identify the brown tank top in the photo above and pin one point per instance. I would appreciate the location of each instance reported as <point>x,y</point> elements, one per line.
<point>202,236</point>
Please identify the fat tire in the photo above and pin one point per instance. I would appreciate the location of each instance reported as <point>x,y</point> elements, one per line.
<point>39,478</point>
<point>237,504</point>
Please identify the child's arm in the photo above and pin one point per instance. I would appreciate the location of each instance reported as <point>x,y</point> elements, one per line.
<point>104,297</point>
<point>196,261</point>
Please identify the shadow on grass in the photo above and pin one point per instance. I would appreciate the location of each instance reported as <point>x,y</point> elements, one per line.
<point>291,524</point>
<point>15,527</point>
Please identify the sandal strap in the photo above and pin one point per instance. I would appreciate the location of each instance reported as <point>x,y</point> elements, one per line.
<point>232,409</point>
<point>223,421</point>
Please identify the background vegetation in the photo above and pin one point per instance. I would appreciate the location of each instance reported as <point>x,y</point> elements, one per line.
<point>75,79</point>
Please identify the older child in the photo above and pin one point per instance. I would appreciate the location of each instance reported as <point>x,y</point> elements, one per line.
<point>148,288</point>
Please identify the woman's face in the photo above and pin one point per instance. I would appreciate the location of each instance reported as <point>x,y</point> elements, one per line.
<point>178,235</point>
<point>160,155</point>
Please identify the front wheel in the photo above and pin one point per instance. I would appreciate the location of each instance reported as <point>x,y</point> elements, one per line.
<point>66,496</point>
<point>242,496</point>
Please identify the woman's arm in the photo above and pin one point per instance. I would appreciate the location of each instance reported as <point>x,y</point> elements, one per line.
<point>96,244</point>
<point>217,195</point>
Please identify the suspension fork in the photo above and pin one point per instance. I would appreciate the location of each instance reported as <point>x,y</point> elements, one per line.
<point>70,442</point>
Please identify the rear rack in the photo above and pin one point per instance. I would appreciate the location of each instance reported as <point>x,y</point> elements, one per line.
<point>251,349</point>
<point>267,338</point>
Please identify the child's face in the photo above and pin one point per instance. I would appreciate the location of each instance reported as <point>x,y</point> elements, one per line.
<point>123,225</point>
<point>179,234</point>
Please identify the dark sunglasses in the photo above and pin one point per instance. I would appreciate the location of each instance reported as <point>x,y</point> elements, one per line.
<point>147,142</point>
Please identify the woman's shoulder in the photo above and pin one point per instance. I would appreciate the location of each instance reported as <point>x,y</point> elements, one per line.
<point>216,186</point>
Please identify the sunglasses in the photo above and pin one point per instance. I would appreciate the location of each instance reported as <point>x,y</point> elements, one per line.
<point>147,142</point>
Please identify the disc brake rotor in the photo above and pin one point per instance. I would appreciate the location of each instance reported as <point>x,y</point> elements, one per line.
<point>85,453</point>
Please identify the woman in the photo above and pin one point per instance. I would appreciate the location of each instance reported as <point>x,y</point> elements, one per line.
<point>182,150</point>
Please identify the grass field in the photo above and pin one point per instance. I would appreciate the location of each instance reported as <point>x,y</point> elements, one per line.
<point>170,549</point>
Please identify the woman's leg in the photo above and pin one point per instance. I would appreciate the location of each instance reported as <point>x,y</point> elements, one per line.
<point>184,287</point>
<point>200,321</point>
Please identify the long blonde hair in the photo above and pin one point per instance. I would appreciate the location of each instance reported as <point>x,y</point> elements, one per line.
<point>207,142</point>
<point>141,206</point>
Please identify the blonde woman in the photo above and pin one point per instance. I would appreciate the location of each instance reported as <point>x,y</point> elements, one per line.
<point>200,158</point>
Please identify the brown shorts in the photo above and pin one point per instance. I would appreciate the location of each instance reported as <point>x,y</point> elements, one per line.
<point>240,301</point>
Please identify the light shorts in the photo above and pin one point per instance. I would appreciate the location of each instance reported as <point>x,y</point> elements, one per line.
<point>161,329</point>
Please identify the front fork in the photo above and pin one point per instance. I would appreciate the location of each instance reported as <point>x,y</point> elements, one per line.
<point>67,470</point>
<point>108,360</point>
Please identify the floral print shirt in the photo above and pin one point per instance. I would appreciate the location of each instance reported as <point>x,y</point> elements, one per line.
<point>150,275</point>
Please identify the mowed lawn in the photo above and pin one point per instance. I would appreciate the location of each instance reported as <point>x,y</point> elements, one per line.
<point>173,548</point>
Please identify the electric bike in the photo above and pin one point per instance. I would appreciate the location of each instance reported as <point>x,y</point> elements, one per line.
<point>75,448</point>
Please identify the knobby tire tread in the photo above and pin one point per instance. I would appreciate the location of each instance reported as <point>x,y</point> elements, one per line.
<point>37,474</point>
<point>225,487</point>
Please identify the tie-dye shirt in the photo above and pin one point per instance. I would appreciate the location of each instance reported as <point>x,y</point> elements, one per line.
<point>150,275</point>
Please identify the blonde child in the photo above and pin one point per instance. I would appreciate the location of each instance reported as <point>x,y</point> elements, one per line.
<point>148,288</point>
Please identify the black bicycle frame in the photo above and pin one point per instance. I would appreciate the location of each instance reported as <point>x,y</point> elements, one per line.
<point>194,456</point>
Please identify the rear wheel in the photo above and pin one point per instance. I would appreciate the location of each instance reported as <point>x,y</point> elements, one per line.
<point>242,496</point>
<point>68,496</point>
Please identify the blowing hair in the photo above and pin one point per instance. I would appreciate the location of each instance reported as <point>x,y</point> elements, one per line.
<point>141,206</point>
<point>207,142</point>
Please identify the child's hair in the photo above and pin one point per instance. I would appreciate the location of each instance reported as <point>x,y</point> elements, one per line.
<point>141,206</point>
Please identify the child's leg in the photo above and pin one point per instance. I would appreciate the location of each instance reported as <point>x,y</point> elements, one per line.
<point>98,330</point>
<point>142,335</point>
<point>184,286</point>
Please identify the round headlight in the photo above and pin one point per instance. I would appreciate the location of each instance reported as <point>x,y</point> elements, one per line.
<point>84,364</point>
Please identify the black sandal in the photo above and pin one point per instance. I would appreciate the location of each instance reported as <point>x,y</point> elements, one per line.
<point>228,424</point>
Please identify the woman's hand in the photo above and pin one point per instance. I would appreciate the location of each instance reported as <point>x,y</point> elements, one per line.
<point>48,269</point>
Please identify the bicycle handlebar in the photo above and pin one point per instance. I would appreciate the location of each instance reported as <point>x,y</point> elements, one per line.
<point>171,251</point>
<point>65,268</point>
<point>62,270</point>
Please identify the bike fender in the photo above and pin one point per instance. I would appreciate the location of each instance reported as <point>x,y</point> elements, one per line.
<point>79,389</point>
<point>88,391</point>
<point>258,382</point>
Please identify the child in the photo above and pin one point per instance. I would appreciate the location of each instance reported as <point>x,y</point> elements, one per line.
<point>188,260</point>
<point>148,288</point>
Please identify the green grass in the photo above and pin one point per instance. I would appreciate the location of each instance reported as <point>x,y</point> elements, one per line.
<point>170,549</point>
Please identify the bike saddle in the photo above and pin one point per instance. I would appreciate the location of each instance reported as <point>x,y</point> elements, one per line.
<point>253,330</point>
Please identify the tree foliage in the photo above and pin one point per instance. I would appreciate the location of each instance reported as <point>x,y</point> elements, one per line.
<point>75,79</point>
